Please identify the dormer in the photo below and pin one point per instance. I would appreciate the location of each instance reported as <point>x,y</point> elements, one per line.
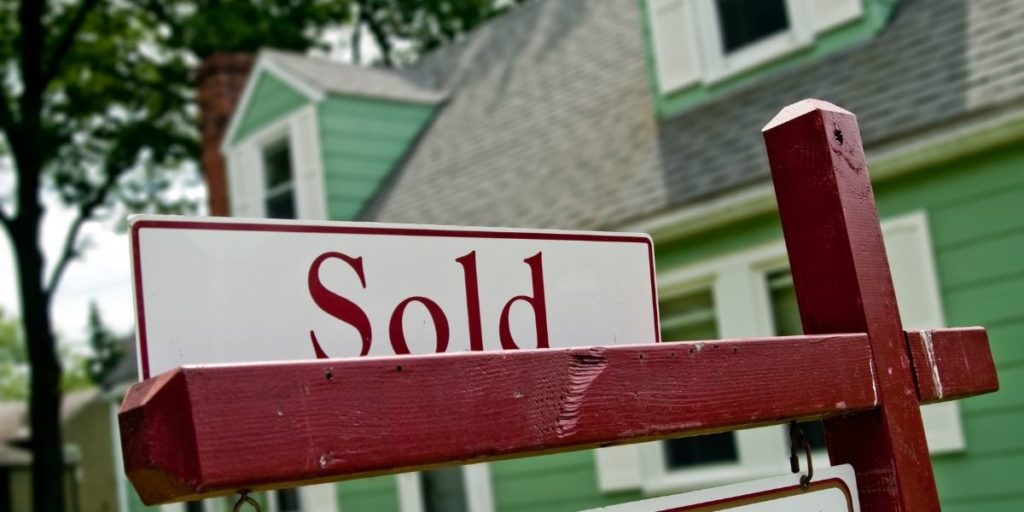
<point>698,48</point>
<point>314,139</point>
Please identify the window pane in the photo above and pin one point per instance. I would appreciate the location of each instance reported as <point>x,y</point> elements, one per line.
<point>281,205</point>
<point>746,21</point>
<point>288,500</point>
<point>277,161</point>
<point>280,197</point>
<point>787,323</point>
<point>443,490</point>
<point>689,318</point>
<point>194,506</point>
<point>691,451</point>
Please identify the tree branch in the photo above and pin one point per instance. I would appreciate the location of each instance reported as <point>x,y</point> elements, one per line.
<point>6,116</point>
<point>85,211</point>
<point>380,36</point>
<point>66,39</point>
<point>8,127</point>
<point>5,221</point>
<point>156,8</point>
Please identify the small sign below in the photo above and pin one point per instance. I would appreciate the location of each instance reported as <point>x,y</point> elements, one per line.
<point>211,291</point>
<point>834,489</point>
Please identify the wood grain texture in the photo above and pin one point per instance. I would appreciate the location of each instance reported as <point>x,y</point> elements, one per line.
<point>952,363</point>
<point>843,284</point>
<point>204,431</point>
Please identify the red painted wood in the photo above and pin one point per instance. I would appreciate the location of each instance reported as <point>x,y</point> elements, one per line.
<point>952,363</point>
<point>203,431</point>
<point>843,284</point>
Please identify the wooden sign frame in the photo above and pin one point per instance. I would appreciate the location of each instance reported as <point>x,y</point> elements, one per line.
<point>204,431</point>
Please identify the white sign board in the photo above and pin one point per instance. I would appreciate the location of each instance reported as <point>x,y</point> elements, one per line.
<point>230,291</point>
<point>833,489</point>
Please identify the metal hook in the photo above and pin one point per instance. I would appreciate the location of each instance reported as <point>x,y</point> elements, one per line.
<point>243,498</point>
<point>797,437</point>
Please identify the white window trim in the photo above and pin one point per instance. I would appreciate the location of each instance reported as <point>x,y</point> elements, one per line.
<point>247,173</point>
<point>121,481</point>
<point>476,480</point>
<point>717,65</point>
<point>741,296</point>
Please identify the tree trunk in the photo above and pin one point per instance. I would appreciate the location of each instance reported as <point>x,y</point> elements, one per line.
<point>48,474</point>
<point>47,444</point>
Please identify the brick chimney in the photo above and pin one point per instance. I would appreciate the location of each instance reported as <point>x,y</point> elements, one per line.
<point>220,80</point>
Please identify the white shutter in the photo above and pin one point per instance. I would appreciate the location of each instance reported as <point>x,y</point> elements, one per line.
<point>674,42</point>
<point>410,492</point>
<point>319,498</point>
<point>245,180</point>
<point>307,165</point>
<point>826,14</point>
<point>908,244</point>
<point>618,468</point>
<point>479,489</point>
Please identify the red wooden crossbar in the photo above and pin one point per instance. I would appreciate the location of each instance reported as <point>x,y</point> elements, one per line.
<point>202,430</point>
<point>952,363</point>
<point>206,431</point>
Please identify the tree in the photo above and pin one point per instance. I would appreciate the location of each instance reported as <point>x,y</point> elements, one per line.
<point>13,360</point>
<point>14,368</point>
<point>96,108</point>
<point>422,24</point>
<point>107,351</point>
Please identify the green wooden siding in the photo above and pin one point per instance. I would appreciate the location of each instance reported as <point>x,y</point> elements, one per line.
<point>976,214</point>
<point>379,494</point>
<point>565,481</point>
<point>362,140</point>
<point>271,98</point>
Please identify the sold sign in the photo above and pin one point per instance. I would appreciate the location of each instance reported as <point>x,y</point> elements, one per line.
<point>228,291</point>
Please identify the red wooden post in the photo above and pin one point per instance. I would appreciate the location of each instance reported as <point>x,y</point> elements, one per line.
<point>842,281</point>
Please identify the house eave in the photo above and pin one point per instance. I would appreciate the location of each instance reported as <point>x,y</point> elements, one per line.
<point>887,161</point>
<point>265,64</point>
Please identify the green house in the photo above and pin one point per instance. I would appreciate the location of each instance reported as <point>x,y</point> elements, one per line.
<point>645,115</point>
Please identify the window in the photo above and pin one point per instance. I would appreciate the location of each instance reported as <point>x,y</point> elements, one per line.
<point>456,489</point>
<point>750,293</point>
<point>443,490</point>
<point>287,500</point>
<point>744,22</point>
<point>691,317</point>
<point>786,318</point>
<point>279,198</point>
<point>278,171</point>
<point>708,41</point>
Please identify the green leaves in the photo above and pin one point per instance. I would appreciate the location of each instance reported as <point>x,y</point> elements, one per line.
<point>205,27</point>
<point>423,24</point>
<point>14,366</point>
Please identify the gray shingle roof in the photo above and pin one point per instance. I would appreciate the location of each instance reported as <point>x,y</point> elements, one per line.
<point>550,121</point>
<point>330,76</point>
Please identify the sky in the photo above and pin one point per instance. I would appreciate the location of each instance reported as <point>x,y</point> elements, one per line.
<point>102,273</point>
